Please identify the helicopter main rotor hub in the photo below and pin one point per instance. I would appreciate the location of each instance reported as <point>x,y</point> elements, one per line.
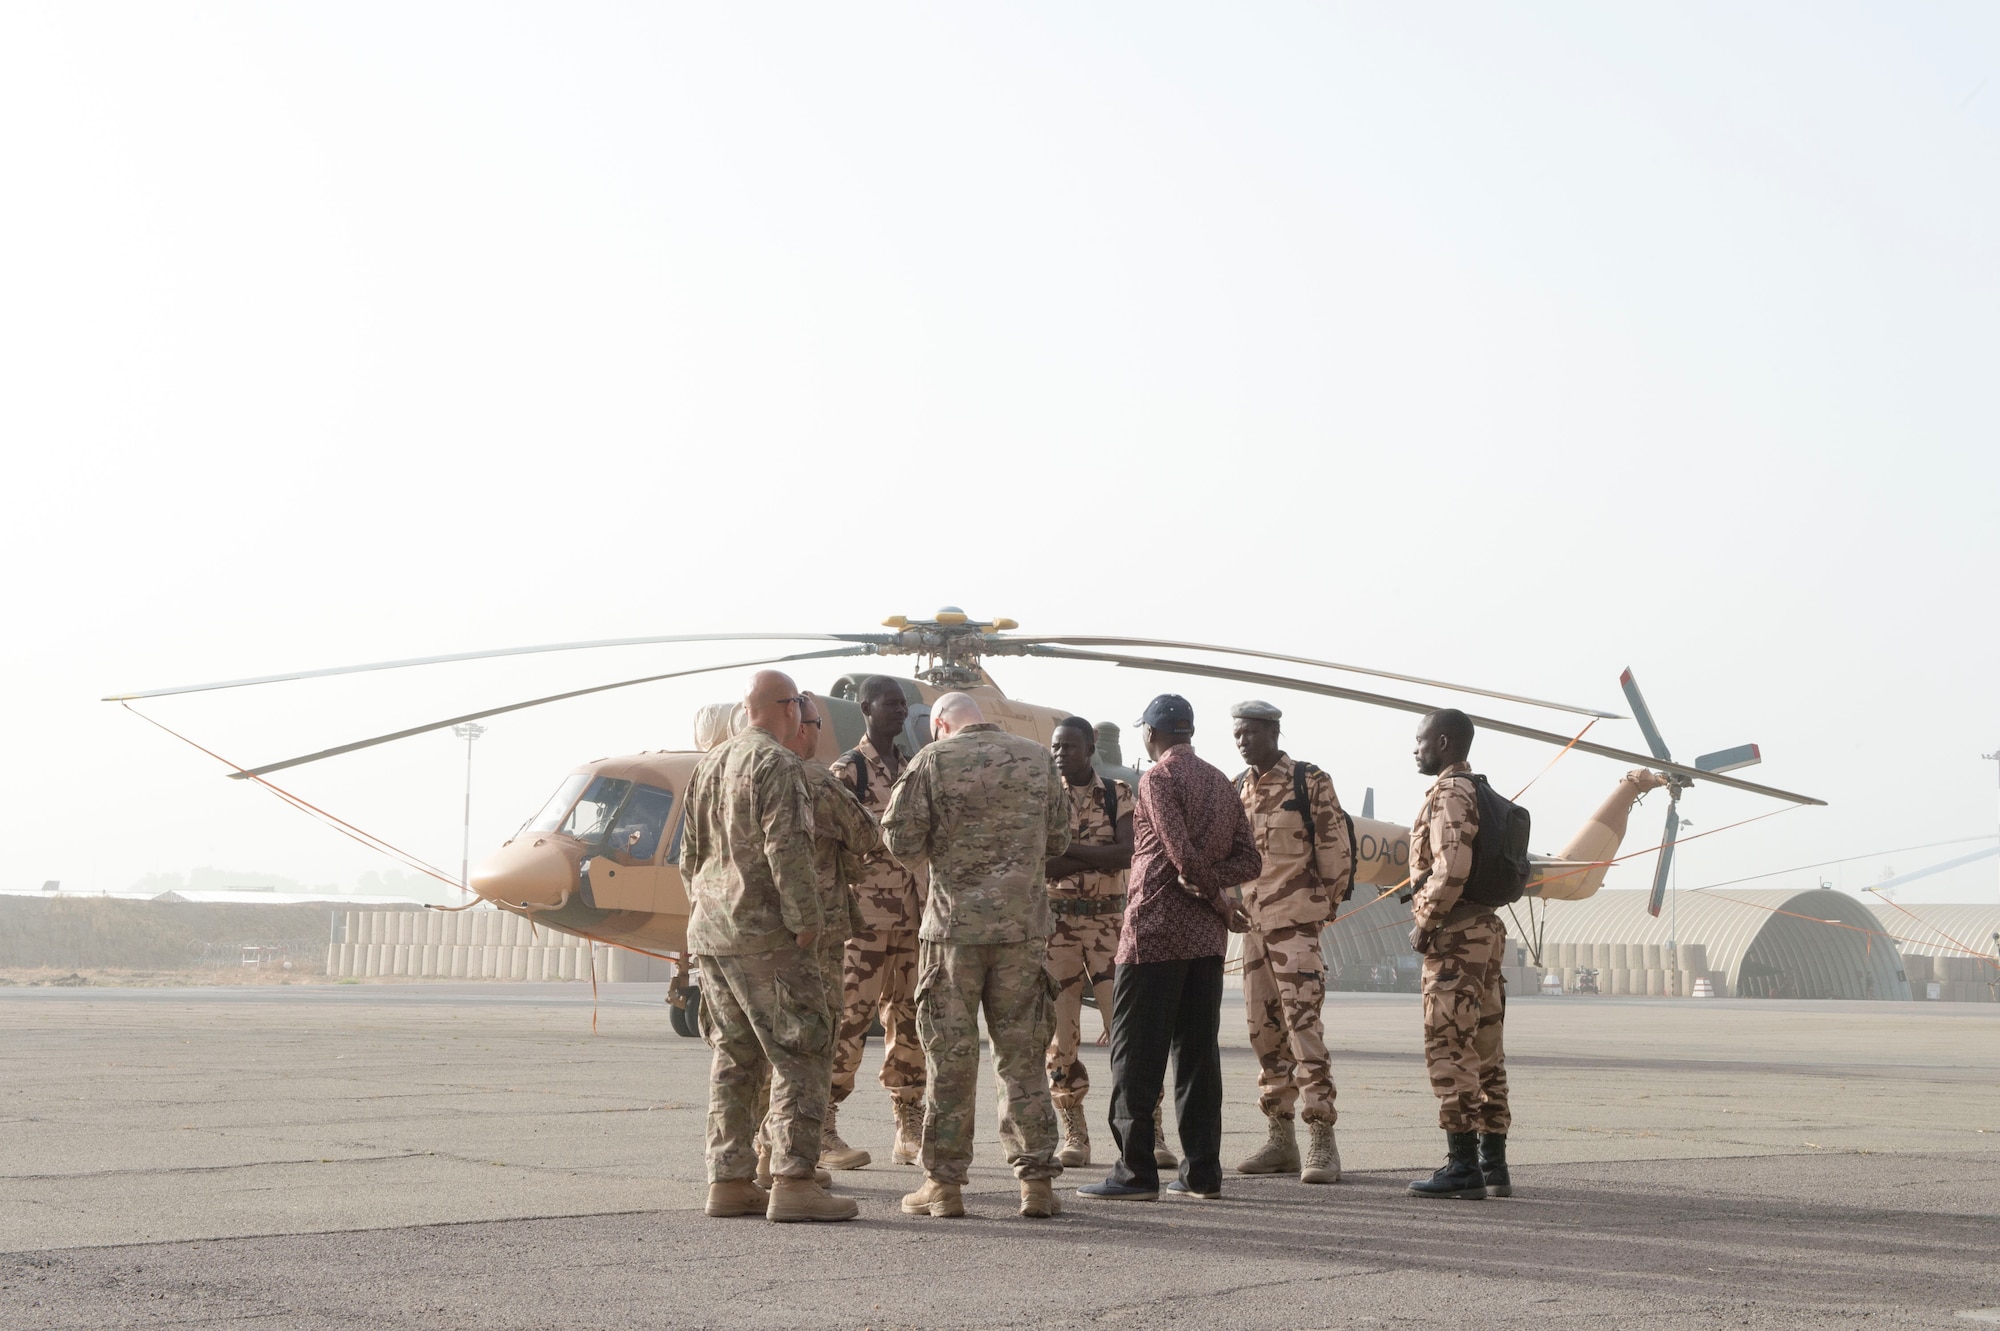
<point>951,645</point>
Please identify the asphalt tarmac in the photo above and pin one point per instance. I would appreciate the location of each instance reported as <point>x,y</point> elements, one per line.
<point>473,1156</point>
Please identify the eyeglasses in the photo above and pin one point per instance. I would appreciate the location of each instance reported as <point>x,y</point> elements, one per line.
<point>798,698</point>
<point>814,723</point>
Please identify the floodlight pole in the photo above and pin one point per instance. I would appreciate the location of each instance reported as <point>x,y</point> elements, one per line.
<point>468,732</point>
<point>1993,757</point>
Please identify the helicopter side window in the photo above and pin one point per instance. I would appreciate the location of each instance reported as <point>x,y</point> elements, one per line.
<point>591,818</point>
<point>635,833</point>
<point>559,804</point>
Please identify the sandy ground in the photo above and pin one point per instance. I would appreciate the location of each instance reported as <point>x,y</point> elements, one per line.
<point>472,1155</point>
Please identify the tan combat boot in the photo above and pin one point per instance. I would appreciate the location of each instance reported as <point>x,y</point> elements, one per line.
<point>1322,1164</point>
<point>802,1199</point>
<point>909,1147</point>
<point>935,1198</point>
<point>1075,1150</point>
<point>1280,1152</point>
<point>1163,1154</point>
<point>736,1196</point>
<point>835,1153</point>
<point>1038,1198</point>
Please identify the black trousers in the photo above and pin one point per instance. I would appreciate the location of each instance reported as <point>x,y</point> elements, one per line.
<point>1158,1007</point>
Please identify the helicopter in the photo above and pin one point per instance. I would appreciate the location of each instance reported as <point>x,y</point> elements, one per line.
<point>601,858</point>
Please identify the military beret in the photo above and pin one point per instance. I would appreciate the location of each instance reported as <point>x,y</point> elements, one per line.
<point>1255,710</point>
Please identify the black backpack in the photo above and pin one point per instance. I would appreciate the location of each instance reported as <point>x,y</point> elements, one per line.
<point>1500,849</point>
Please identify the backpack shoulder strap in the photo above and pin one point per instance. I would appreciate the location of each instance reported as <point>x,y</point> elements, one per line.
<point>1108,793</point>
<point>860,764</point>
<point>1301,771</point>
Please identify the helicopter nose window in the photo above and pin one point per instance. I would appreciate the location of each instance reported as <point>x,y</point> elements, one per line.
<point>635,833</point>
<point>591,818</point>
<point>559,804</point>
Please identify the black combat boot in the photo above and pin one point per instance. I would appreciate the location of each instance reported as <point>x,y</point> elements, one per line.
<point>1460,1175</point>
<point>1493,1164</point>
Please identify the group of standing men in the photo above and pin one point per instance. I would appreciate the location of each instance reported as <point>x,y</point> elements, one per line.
<point>990,874</point>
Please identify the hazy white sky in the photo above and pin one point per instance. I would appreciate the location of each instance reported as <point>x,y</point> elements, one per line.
<point>1513,345</point>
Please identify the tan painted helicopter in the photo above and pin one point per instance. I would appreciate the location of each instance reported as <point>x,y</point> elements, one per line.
<point>601,858</point>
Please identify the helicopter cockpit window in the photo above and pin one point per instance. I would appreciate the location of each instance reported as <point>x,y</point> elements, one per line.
<point>591,818</point>
<point>559,804</point>
<point>635,833</point>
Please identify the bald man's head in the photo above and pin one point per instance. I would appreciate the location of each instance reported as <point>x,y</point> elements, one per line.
<point>953,713</point>
<point>772,705</point>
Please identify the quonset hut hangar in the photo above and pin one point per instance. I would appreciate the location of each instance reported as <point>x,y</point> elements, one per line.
<point>1817,943</point>
<point>1770,943</point>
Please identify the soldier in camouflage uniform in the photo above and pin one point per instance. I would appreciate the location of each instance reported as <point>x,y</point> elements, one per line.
<point>986,810</point>
<point>1465,993</point>
<point>1308,871</point>
<point>879,967</point>
<point>746,855</point>
<point>843,836</point>
<point>1087,898</point>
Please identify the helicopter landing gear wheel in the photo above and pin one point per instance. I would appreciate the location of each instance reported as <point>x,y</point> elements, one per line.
<point>687,1020</point>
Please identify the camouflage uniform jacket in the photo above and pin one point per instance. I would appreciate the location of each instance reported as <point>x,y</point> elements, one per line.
<point>747,852</point>
<point>986,809</point>
<point>1089,827</point>
<point>888,895</point>
<point>1303,881</point>
<point>844,836</point>
<point>1441,847</point>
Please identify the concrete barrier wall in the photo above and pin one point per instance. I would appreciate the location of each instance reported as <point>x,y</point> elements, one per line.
<point>475,945</point>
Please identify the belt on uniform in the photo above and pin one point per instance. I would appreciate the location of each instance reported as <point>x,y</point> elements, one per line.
<point>1087,905</point>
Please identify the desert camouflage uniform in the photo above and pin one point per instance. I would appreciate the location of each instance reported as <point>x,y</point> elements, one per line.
<point>746,855</point>
<point>843,835</point>
<point>879,966</point>
<point>1082,946</point>
<point>1465,993</point>
<point>1284,972</point>
<point>986,810</point>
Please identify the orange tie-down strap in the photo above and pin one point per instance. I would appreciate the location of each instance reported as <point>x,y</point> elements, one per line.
<point>375,843</point>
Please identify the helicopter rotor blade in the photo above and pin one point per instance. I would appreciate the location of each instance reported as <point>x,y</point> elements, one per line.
<point>1405,705</point>
<point>1643,715</point>
<point>1329,665</point>
<point>501,651</point>
<point>339,749</point>
<point>1659,896</point>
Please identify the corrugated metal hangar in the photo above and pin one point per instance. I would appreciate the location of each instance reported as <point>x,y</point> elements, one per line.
<point>1817,943</point>
<point>1758,944</point>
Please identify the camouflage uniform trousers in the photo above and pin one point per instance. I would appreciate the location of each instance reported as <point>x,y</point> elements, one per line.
<point>1010,982</point>
<point>879,971</point>
<point>827,950</point>
<point>765,1017</point>
<point>1465,1004</point>
<point>1284,988</point>
<point>1080,955</point>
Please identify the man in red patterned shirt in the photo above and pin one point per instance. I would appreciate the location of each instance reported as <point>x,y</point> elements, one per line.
<point>1190,844</point>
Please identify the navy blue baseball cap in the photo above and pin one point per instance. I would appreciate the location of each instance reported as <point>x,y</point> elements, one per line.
<point>1169,713</point>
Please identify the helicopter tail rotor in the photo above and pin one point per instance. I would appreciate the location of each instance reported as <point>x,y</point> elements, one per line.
<point>1722,760</point>
<point>1666,864</point>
